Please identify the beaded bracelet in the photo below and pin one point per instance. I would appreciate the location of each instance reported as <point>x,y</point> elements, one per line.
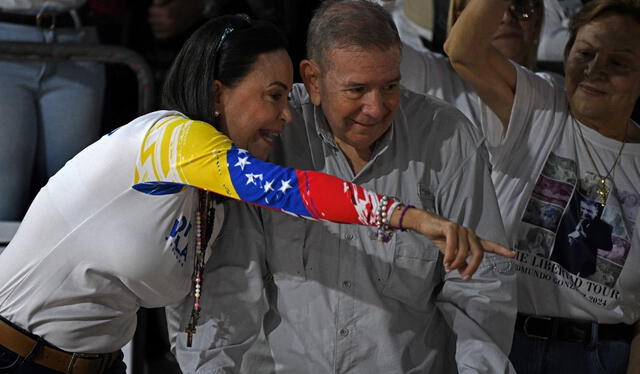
<point>385,230</point>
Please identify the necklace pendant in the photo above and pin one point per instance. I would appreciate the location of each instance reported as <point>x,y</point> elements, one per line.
<point>190,332</point>
<point>602,191</point>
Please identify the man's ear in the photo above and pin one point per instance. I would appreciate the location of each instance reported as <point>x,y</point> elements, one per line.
<point>310,73</point>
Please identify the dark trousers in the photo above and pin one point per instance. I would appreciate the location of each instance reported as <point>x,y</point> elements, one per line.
<point>530,355</point>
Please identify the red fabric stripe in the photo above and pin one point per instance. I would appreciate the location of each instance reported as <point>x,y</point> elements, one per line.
<point>331,198</point>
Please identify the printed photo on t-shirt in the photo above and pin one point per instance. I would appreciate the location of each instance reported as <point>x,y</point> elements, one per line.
<point>581,234</point>
<point>560,169</point>
<point>569,238</point>
<point>540,213</point>
<point>537,241</point>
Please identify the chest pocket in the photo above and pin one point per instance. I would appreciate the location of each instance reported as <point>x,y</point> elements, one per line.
<point>285,245</point>
<point>415,271</point>
<point>416,268</point>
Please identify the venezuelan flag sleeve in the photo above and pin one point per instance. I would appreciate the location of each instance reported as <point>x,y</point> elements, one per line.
<point>178,152</point>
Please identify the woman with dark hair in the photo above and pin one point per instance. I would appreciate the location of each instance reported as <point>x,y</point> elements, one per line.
<point>126,223</point>
<point>574,153</point>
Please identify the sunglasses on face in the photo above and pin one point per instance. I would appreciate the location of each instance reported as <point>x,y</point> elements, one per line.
<point>520,9</point>
<point>523,9</point>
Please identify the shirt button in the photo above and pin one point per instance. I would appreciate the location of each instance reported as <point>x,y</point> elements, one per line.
<point>344,332</point>
<point>349,236</point>
<point>346,284</point>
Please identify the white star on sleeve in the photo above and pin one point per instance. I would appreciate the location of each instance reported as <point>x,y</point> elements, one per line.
<point>285,186</point>
<point>267,186</point>
<point>242,162</point>
<point>250,178</point>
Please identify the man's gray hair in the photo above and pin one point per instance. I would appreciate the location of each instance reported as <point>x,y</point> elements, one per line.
<point>350,23</point>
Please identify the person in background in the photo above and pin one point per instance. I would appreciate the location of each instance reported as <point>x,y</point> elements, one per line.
<point>558,149</point>
<point>555,31</point>
<point>310,297</point>
<point>126,223</point>
<point>51,110</point>
<point>421,24</point>
<point>431,73</point>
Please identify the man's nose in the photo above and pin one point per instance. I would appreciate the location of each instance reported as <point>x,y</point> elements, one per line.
<point>373,104</point>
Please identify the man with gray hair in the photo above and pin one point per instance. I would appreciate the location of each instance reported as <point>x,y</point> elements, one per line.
<point>320,297</point>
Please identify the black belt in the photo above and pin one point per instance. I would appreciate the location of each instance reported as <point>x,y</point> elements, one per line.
<point>570,330</point>
<point>47,20</point>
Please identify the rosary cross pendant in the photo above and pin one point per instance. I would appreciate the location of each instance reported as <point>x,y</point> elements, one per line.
<point>190,332</point>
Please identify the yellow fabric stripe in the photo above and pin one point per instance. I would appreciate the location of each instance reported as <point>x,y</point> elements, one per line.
<point>189,152</point>
<point>146,163</point>
<point>202,158</point>
<point>165,146</point>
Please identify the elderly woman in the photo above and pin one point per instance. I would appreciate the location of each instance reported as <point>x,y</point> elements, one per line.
<point>126,223</point>
<point>567,165</point>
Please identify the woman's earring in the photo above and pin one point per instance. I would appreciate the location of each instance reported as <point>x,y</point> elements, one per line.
<point>216,114</point>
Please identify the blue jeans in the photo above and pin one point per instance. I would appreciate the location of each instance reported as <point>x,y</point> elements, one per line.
<point>49,111</point>
<point>538,356</point>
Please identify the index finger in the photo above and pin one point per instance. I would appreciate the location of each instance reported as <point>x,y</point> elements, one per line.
<point>496,248</point>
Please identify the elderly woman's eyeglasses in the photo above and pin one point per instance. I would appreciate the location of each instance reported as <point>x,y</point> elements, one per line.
<point>523,10</point>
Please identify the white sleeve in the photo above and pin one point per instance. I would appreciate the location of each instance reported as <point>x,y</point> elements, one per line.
<point>538,113</point>
<point>482,310</point>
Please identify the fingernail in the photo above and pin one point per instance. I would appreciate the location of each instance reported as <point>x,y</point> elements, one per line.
<point>465,277</point>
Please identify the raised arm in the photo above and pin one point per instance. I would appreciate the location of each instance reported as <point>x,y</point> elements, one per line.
<point>477,61</point>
